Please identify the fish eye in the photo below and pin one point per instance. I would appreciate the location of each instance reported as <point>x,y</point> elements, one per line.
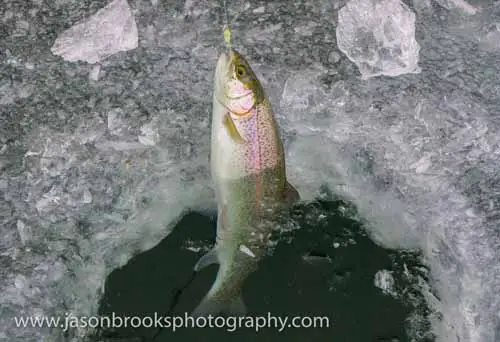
<point>240,71</point>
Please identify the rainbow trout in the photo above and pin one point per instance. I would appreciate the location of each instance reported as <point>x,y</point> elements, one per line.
<point>248,172</point>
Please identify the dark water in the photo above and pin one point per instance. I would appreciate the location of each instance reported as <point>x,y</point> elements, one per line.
<point>338,283</point>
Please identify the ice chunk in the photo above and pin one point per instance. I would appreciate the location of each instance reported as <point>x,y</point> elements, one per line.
<point>20,281</point>
<point>87,196</point>
<point>259,10</point>
<point>54,159</point>
<point>116,121</point>
<point>379,37</point>
<point>423,164</point>
<point>197,246</point>
<point>385,281</point>
<point>491,40</point>
<point>24,232</point>
<point>149,136</point>
<point>94,72</point>
<point>49,200</point>
<point>112,29</point>
<point>299,94</point>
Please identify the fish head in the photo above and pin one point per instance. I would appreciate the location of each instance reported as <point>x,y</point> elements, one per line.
<point>236,86</point>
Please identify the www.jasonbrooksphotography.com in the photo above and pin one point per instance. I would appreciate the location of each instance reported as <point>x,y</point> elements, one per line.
<point>229,323</point>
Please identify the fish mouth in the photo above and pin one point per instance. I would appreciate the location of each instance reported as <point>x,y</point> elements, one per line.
<point>224,76</point>
<point>229,91</point>
<point>221,75</point>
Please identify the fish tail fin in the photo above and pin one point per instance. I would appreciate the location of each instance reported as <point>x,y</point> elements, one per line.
<point>216,307</point>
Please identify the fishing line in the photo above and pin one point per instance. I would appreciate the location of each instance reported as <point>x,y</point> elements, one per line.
<point>226,13</point>
<point>175,299</point>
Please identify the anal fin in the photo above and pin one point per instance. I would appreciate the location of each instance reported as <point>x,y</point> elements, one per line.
<point>208,259</point>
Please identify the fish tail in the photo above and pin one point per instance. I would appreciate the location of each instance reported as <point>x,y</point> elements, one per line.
<point>216,307</point>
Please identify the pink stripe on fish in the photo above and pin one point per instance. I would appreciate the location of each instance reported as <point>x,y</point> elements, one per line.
<point>260,150</point>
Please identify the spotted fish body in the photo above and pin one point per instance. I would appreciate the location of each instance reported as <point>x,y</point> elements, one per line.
<point>248,172</point>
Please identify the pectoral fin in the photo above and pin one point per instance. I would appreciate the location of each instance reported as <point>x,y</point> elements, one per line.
<point>231,129</point>
<point>207,259</point>
<point>291,194</point>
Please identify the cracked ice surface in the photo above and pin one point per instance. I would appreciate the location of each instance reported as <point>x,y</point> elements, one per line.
<point>95,171</point>
<point>421,152</point>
